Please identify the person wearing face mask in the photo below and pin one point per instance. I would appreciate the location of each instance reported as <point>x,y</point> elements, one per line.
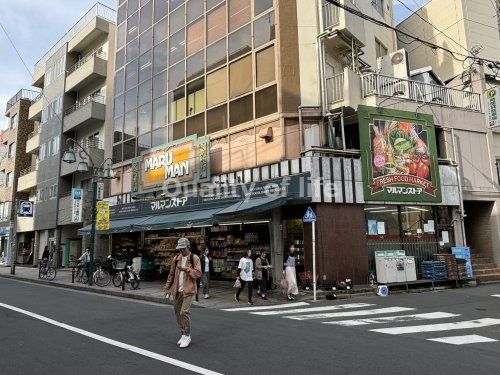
<point>206,269</point>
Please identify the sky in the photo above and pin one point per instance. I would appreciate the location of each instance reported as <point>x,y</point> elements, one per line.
<point>36,25</point>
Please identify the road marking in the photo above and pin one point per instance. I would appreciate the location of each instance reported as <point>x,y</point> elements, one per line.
<point>496,295</point>
<point>393,319</point>
<point>134,349</point>
<point>311,309</point>
<point>270,307</point>
<point>463,340</point>
<point>385,310</point>
<point>468,324</point>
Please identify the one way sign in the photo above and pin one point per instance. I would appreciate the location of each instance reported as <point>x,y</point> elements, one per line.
<point>309,216</point>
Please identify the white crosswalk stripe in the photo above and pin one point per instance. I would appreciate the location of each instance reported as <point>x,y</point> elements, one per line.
<point>393,319</point>
<point>269,307</point>
<point>463,340</point>
<point>496,295</point>
<point>385,310</point>
<point>315,309</point>
<point>468,324</point>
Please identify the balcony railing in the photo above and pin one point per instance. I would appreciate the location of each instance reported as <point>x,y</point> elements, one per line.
<point>88,57</point>
<point>22,94</point>
<point>376,84</point>
<point>330,15</point>
<point>28,170</point>
<point>335,88</point>
<point>96,98</point>
<point>36,131</point>
<point>98,10</point>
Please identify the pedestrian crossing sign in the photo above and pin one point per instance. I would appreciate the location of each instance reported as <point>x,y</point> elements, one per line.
<point>309,216</point>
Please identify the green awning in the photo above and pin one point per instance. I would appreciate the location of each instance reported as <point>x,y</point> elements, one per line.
<point>185,219</point>
<point>116,226</point>
<point>250,207</point>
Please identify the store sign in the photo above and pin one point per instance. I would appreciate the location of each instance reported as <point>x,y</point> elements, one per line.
<point>182,161</point>
<point>25,209</point>
<point>399,156</point>
<point>77,205</point>
<point>492,101</point>
<point>100,191</point>
<point>102,216</point>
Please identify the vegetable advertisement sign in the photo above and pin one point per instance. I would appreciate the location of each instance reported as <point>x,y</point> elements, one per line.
<point>399,156</point>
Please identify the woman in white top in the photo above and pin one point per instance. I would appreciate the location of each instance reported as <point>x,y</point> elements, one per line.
<point>245,275</point>
<point>290,274</point>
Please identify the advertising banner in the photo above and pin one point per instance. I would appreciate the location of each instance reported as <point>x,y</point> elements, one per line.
<point>102,216</point>
<point>77,205</point>
<point>184,161</point>
<point>399,156</point>
<point>492,100</point>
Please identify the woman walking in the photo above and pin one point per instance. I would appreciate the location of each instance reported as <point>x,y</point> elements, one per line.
<point>291,276</point>
<point>245,270</point>
<point>262,267</point>
<point>206,269</point>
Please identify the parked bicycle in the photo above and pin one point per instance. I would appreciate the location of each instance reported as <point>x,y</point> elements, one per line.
<point>46,270</point>
<point>126,273</point>
<point>101,276</point>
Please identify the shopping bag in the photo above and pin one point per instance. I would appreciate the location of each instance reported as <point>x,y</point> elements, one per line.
<point>284,282</point>
<point>237,284</point>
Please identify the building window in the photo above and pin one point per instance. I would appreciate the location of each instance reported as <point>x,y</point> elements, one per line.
<point>216,55</point>
<point>177,105</point>
<point>498,171</point>
<point>379,6</point>
<point>261,6</point>
<point>265,66</point>
<point>380,49</point>
<point>239,13</point>
<point>12,150</point>
<point>217,119</point>
<point>241,110</point>
<point>240,77</point>
<point>196,125</point>
<point>264,30</point>
<point>13,121</point>
<point>2,178</point>
<point>41,156</point>
<point>196,97</point>
<point>93,140</point>
<point>266,101</point>
<point>217,87</point>
<point>216,24</point>
<point>195,37</point>
<point>240,42</point>
<point>9,179</point>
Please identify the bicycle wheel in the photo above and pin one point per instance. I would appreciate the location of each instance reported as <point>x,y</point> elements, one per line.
<point>50,274</point>
<point>102,278</point>
<point>117,279</point>
<point>82,276</point>
<point>135,283</point>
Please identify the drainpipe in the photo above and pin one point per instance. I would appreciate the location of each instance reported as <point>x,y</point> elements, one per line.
<point>460,192</point>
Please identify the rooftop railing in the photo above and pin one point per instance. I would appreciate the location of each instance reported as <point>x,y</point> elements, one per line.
<point>96,98</point>
<point>98,10</point>
<point>28,170</point>
<point>88,57</point>
<point>379,85</point>
<point>22,94</point>
<point>330,15</point>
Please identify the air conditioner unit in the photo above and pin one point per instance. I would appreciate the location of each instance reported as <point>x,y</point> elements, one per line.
<point>394,64</point>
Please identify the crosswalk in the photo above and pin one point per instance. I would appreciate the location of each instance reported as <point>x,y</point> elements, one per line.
<point>393,320</point>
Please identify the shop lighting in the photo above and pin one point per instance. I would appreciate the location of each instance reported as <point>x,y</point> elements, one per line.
<point>257,222</point>
<point>376,212</point>
<point>375,208</point>
<point>230,224</point>
<point>418,209</point>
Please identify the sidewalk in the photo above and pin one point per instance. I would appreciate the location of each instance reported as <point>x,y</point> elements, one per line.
<point>221,292</point>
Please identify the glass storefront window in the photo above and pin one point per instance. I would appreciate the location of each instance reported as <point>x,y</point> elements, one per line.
<point>146,41</point>
<point>145,66</point>
<point>264,30</point>
<point>144,119</point>
<point>160,112</point>
<point>160,31</point>
<point>131,99</point>
<point>266,101</point>
<point>240,42</point>
<point>144,93</point>
<point>177,47</point>
<point>177,20</point>
<point>146,16</point>
<point>130,125</point>
<point>132,49</point>
<point>239,13</point>
<point>241,110</point>
<point>195,37</point>
<point>196,125</point>
<point>415,220</point>
<point>195,9</point>
<point>240,77</point>
<point>382,220</point>
<point>159,85</point>
<point>178,131</point>
<point>195,65</point>
<point>265,66</point>
<point>177,105</point>
<point>217,87</point>
<point>217,119</point>
<point>260,6</point>
<point>160,10</point>
<point>196,97</point>
<point>216,55</point>
<point>160,57</point>
<point>216,24</point>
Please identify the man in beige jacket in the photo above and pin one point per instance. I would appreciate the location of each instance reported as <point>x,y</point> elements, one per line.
<point>181,284</point>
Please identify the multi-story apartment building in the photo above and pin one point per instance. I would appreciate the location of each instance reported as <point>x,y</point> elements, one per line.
<point>75,104</point>
<point>14,164</point>
<point>467,28</point>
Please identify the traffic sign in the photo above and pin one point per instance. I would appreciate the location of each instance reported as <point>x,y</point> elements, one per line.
<point>25,209</point>
<point>309,216</point>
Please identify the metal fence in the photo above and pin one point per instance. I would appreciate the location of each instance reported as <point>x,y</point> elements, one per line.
<point>28,170</point>
<point>22,94</point>
<point>96,98</point>
<point>330,15</point>
<point>95,53</point>
<point>376,84</point>
<point>335,88</point>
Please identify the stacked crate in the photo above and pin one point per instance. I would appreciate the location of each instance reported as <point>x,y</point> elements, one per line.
<point>434,270</point>
<point>450,262</point>
<point>462,269</point>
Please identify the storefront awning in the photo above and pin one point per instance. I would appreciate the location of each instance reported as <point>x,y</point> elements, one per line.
<point>185,219</point>
<point>116,226</point>
<point>250,207</point>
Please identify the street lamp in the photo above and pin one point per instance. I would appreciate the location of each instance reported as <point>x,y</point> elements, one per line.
<point>83,166</point>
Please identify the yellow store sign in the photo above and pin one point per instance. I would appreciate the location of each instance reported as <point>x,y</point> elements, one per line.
<point>102,216</point>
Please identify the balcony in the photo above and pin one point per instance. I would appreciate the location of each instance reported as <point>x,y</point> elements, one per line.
<point>96,152</point>
<point>376,85</point>
<point>25,224</point>
<point>38,77</point>
<point>343,90</point>
<point>90,68</point>
<point>35,111</point>
<point>342,26</point>
<point>33,142</point>
<point>27,179</point>
<point>96,29</point>
<point>65,208</point>
<point>84,113</point>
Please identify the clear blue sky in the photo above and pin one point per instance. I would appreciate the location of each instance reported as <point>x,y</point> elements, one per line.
<point>36,25</point>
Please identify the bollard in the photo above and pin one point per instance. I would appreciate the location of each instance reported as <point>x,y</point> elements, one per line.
<point>73,275</point>
<point>123,281</point>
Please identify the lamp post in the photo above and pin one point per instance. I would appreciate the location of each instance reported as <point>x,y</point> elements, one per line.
<point>83,166</point>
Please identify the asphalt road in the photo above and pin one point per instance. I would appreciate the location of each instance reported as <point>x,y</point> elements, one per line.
<point>47,330</point>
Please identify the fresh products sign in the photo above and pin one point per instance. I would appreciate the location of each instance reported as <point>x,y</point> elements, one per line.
<point>399,156</point>
<point>183,161</point>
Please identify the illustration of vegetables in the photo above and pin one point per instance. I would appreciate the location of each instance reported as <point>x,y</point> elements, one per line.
<point>423,170</point>
<point>379,148</point>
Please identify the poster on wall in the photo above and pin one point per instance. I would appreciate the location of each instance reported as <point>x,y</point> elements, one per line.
<point>102,216</point>
<point>77,205</point>
<point>492,100</point>
<point>399,156</point>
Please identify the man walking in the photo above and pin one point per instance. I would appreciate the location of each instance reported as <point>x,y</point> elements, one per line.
<point>181,284</point>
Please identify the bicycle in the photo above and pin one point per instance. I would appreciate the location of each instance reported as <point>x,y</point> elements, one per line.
<point>121,276</point>
<point>46,271</point>
<point>101,276</point>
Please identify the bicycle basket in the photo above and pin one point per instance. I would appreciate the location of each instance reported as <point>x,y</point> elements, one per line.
<point>119,265</point>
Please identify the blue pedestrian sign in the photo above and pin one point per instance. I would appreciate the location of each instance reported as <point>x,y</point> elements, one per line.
<point>309,216</point>
<point>25,209</point>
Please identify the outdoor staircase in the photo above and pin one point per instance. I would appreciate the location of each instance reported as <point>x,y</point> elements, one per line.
<point>484,268</point>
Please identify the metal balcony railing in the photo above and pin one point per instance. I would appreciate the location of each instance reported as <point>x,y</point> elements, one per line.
<point>28,170</point>
<point>96,98</point>
<point>330,15</point>
<point>22,94</point>
<point>98,10</point>
<point>379,85</point>
<point>335,88</point>
<point>36,131</point>
<point>95,53</point>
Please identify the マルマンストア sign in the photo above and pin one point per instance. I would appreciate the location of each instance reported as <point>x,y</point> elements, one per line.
<point>184,161</point>
<point>492,101</point>
<point>399,156</point>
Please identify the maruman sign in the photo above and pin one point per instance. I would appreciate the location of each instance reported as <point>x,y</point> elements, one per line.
<point>182,161</point>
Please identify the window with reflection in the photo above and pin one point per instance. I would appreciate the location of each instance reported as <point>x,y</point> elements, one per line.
<point>175,3</point>
<point>195,9</point>
<point>143,143</point>
<point>196,125</point>
<point>196,97</point>
<point>133,26</point>
<point>266,101</point>
<point>160,112</point>
<point>118,129</point>
<point>217,87</point>
<point>240,77</point>
<point>117,153</point>
<point>145,66</point>
<point>160,57</point>
<point>240,42</point>
<point>131,74</point>
<point>133,5</point>
<point>146,41</point>
<point>119,81</point>
<point>176,20</point>
<point>264,30</point>
<point>131,99</point>
<point>146,17</point>
<point>133,49</point>
<point>120,59</point>
<point>177,105</point>
<point>129,148</point>
<point>195,65</point>
<point>195,37</point>
<point>160,31</point>
<point>260,6</point>
<point>119,105</point>
<point>415,220</point>
<point>144,119</point>
<point>130,125</point>
<point>159,84</point>
<point>160,9</point>
<point>382,220</point>
<point>217,119</point>
<point>177,47</point>
<point>176,76</point>
<point>178,130</point>
<point>239,13</point>
<point>216,55</point>
<point>265,70</point>
<point>212,3</point>
<point>216,24</point>
<point>241,110</point>
<point>121,14</point>
<point>144,95</point>
<point>159,137</point>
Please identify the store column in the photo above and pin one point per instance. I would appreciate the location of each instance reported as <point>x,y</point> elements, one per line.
<point>277,244</point>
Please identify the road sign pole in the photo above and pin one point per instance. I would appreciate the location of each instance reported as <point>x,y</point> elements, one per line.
<point>314,257</point>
